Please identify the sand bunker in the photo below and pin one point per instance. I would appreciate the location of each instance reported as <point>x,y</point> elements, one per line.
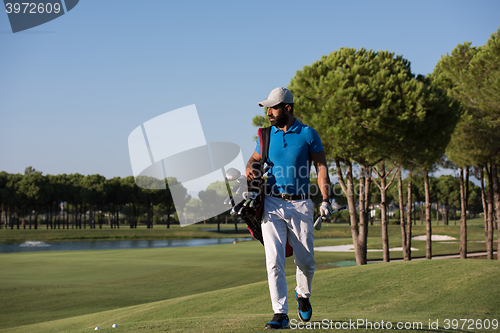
<point>434,238</point>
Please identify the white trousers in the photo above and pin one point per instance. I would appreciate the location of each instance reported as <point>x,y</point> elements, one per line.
<point>292,220</point>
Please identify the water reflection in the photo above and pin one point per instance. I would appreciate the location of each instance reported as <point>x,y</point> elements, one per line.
<point>35,246</point>
<point>339,264</point>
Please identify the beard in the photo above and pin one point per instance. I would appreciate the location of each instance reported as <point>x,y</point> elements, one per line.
<point>279,121</point>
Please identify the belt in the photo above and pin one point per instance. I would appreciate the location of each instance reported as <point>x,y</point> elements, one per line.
<point>286,196</point>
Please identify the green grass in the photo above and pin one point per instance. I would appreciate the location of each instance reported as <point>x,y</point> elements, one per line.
<point>52,285</point>
<point>416,291</point>
<point>222,287</point>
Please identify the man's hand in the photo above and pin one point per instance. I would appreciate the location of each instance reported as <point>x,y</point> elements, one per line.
<point>325,210</point>
<point>252,170</point>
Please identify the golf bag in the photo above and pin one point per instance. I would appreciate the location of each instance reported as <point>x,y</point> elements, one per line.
<point>252,207</point>
<point>252,212</point>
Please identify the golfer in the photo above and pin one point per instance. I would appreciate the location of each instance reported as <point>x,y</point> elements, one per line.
<point>288,209</point>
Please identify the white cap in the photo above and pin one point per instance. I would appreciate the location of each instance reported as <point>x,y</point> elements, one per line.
<point>277,96</point>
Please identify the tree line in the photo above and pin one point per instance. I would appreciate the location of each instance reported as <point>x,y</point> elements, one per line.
<point>76,201</point>
<point>376,118</point>
<point>444,198</point>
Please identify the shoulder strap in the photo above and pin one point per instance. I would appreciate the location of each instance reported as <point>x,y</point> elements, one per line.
<point>264,143</point>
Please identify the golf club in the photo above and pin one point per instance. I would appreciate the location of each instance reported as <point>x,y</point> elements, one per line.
<point>319,221</point>
<point>232,174</point>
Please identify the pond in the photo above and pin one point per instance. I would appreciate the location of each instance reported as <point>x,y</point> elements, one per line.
<point>38,246</point>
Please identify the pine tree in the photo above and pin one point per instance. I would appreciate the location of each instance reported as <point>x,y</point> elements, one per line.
<point>355,99</point>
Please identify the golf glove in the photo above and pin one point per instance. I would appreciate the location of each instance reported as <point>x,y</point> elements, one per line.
<point>325,210</point>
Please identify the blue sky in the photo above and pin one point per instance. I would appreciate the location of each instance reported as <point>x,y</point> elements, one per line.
<point>73,89</point>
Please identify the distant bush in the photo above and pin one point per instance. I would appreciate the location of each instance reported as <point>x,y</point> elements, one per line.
<point>342,216</point>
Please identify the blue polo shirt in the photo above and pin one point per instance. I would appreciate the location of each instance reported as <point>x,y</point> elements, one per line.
<point>290,154</point>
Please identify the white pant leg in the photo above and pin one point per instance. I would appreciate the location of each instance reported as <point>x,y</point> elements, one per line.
<point>292,220</point>
<point>274,231</point>
<point>301,238</point>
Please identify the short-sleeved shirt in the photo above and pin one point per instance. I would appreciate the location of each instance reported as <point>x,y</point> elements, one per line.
<point>289,153</point>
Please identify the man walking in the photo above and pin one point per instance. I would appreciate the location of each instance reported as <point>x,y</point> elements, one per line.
<point>288,209</point>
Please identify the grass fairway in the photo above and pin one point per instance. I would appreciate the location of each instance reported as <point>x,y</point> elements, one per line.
<point>223,288</point>
<point>52,285</point>
<point>413,292</point>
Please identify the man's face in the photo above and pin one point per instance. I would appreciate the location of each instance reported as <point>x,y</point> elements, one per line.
<point>277,116</point>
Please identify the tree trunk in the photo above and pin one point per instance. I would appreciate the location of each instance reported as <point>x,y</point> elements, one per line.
<point>437,214</point>
<point>75,213</point>
<point>30,218</point>
<point>132,218</point>
<point>359,246</point>
<point>490,202</point>
<point>368,197</point>
<point>81,216</point>
<point>67,216</point>
<point>428,225</point>
<point>84,217</point>
<point>408,224</point>
<point>111,216</point>
<point>363,208</point>
<point>463,212</point>
<point>383,205</point>
<point>36,215</point>
<point>496,197</point>
<point>148,210</point>
<point>92,217</point>
<point>488,226</point>
<point>51,217</point>
<point>168,216</point>
<point>402,217</point>
<point>11,219</point>
<point>446,221</point>
<point>414,209</point>
<point>383,213</point>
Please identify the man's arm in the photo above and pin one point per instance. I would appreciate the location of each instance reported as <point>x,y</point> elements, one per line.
<point>252,171</point>
<point>319,161</point>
